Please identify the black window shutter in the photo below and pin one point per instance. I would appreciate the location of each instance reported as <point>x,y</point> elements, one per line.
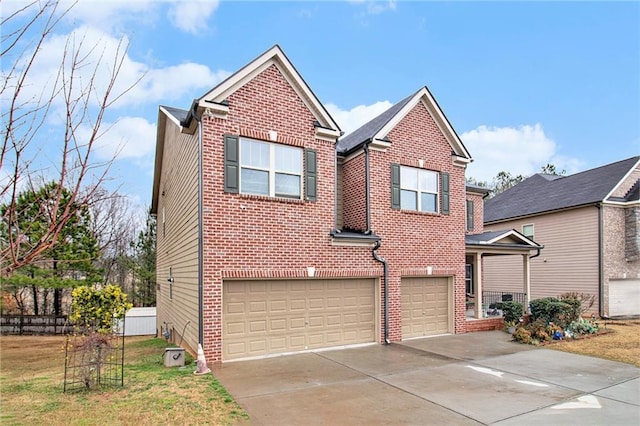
<point>470,223</point>
<point>395,186</point>
<point>231,164</point>
<point>444,183</point>
<point>311,174</point>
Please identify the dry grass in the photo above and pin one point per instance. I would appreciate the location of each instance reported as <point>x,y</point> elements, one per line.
<point>31,385</point>
<point>620,343</point>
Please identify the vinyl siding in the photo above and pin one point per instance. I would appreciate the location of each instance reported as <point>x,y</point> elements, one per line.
<point>177,245</point>
<point>568,262</point>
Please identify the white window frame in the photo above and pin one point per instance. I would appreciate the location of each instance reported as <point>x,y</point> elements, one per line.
<point>271,170</point>
<point>419,191</point>
<point>530,225</point>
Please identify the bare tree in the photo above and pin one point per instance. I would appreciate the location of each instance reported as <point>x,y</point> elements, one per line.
<point>115,223</point>
<point>77,97</point>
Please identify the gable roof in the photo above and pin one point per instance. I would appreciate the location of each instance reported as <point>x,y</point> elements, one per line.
<point>542,193</point>
<point>274,56</point>
<point>380,126</point>
<point>501,239</point>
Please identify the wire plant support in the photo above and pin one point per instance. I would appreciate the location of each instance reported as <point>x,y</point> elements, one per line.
<point>94,359</point>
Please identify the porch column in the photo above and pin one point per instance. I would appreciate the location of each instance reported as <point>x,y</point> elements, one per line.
<point>526,278</point>
<point>477,274</point>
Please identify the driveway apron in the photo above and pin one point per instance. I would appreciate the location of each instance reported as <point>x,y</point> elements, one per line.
<point>476,378</point>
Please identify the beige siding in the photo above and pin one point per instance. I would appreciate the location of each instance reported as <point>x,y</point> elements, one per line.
<point>568,262</point>
<point>177,246</point>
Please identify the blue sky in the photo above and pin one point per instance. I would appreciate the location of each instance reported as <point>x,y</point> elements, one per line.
<point>523,83</point>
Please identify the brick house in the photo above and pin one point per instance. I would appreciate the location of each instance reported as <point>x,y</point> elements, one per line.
<point>276,235</point>
<point>589,223</point>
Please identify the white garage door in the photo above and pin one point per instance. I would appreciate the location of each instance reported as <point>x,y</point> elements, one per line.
<point>425,307</point>
<point>624,297</point>
<point>269,317</point>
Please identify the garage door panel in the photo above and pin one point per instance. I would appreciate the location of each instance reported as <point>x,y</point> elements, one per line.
<point>425,306</point>
<point>294,315</point>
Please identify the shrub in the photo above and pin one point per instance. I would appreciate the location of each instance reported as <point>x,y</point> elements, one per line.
<point>582,326</point>
<point>512,311</point>
<point>552,310</point>
<point>522,335</point>
<point>586,301</point>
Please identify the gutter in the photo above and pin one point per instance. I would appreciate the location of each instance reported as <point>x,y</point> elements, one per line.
<point>385,268</point>
<point>193,114</point>
<point>367,188</point>
<point>600,261</point>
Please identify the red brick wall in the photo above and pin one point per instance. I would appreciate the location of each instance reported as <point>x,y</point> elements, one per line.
<point>252,236</point>
<point>485,324</point>
<point>354,194</point>
<point>478,213</point>
<point>412,241</point>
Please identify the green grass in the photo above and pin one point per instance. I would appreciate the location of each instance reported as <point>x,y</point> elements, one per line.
<point>31,380</point>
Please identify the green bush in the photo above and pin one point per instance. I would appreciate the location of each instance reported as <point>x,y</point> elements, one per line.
<point>512,311</point>
<point>582,326</point>
<point>553,310</point>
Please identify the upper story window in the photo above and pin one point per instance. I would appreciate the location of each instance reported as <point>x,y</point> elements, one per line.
<point>420,190</point>
<point>270,169</point>
<point>527,231</point>
<point>470,213</point>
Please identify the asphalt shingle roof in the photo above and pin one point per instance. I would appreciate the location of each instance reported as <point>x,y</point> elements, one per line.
<point>542,193</point>
<point>371,128</point>
<point>179,114</point>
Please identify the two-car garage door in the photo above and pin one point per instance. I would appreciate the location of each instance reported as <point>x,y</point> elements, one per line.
<point>269,317</point>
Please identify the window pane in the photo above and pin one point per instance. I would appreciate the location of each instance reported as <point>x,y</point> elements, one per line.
<point>254,153</point>
<point>408,178</point>
<point>428,202</point>
<point>288,159</point>
<point>254,182</point>
<point>527,230</point>
<point>288,185</point>
<point>408,200</point>
<point>428,181</point>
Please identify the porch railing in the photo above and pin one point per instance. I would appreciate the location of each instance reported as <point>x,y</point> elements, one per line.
<point>492,300</point>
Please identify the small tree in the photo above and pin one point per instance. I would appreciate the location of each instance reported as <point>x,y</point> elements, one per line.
<point>95,310</point>
<point>92,355</point>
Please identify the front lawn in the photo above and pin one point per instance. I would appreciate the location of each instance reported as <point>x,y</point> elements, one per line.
<point>621,342</point>
<point>31,384</point>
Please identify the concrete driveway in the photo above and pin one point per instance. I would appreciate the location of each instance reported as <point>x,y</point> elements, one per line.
<point>476,378</point>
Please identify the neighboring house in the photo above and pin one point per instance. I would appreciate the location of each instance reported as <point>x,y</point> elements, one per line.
<point>276,235</point>
<point>589,224</point>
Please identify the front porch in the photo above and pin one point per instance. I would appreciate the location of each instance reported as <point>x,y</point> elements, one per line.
<point>492,303</point>
<point>491,244</point>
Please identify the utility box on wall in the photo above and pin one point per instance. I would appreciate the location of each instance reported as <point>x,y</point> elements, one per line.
<point>174,357</point>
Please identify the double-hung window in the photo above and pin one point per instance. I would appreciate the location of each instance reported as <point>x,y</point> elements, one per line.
<point>270,169</point>
<point>418,189</point>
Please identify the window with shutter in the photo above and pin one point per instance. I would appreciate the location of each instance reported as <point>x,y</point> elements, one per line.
<point>414,189</point>
<point>265,168</point>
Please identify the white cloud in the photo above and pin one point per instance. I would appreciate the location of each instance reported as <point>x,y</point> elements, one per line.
<point>100,50</point>
<point>128,137</point>
<point>171,83</point>
<point>517,150</point>
<point>350,120</point>
<point>191,16</point>
<point>376,7</point>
